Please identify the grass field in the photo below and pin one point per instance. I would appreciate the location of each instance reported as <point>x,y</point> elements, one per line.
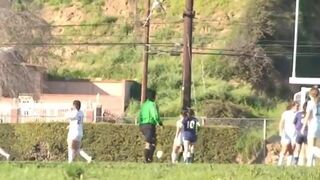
<point>119,171</point>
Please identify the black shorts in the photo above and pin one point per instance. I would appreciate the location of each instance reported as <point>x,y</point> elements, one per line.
<point>301,139</point>
<point>149,133</point>
<point>187,136</point>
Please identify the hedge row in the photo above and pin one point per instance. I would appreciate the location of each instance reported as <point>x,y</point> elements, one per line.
<point>107,142</point>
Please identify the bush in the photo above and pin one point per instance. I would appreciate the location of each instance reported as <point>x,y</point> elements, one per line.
<point>249,144</point>
<point>225,109</point>
<point>108,142</point>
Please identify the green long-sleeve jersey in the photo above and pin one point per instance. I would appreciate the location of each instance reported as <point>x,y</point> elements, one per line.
<point>149,114</point>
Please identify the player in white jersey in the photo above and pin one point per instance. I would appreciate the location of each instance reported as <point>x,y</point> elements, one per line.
<point>287,132</point>
<point>312,120</point>
<point>177,148</point>
<point>5,154</point>
<point>75,134</point>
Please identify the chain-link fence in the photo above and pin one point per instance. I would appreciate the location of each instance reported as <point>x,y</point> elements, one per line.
<point>255,134</point>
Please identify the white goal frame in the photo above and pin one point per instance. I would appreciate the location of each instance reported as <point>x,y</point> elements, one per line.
<point>294,79</point>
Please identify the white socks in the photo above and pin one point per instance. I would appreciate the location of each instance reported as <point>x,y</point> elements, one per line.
<point>316,152</point>
<point>174,157</point>
<point>280,161</point>
<point>85,156</point>
<point>5,154</point>
<point>310,157</point>
<point>289,160</point>
<point>71,155</point>
<point>312,153</point>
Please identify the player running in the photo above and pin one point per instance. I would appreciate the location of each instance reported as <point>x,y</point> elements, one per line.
<point>148,120</point>
<point>75,133</point>
<point>177,149</point>
<point>312,119</point>
<point>5,154</point>
<point>190,126</point>
<point>301,140</point>
<point>287,132</point>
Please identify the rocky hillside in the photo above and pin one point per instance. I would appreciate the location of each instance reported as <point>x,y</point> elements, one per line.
<point>247,46</point>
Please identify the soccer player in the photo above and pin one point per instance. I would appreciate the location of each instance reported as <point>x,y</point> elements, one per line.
<point>5,154</point>
<point>301,140</point>
<point>75,133</point>
<point>190,126</point>
<point>148,120</point>
<point>177,148</point>
<point>287,132</point>
<point>312,119</point>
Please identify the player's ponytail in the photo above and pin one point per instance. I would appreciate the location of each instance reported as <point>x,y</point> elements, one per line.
<point>304,107</point>
<point>190,113</point>
<point>292,104</point>
<point>184,113</point>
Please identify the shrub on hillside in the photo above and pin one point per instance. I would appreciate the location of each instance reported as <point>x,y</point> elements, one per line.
<point>220,109</point>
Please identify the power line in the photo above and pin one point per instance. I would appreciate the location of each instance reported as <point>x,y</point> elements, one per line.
<point>132,23</point>
<point>276,43</point>
<point>231,52</point>
<point>219,51</point>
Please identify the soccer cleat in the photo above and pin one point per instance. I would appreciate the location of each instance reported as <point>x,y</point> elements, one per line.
<point>148,161</point>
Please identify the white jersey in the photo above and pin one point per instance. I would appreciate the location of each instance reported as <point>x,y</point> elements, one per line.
<point>178,140</point>
<point>289,128</point>
<point>314,109</point>
<point>76,123</point>
<point>179,125</point>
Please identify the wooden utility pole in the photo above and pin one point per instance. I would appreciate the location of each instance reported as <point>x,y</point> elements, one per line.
<point>144,84</point>
<point>188,16</point>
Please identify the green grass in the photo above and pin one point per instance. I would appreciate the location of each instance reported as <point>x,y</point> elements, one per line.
<point>132,171</point>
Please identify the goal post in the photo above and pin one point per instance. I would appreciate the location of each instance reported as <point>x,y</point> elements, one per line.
<point>299,76</point>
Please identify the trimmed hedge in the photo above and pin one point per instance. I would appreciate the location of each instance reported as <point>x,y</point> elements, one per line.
<point>109,142</point>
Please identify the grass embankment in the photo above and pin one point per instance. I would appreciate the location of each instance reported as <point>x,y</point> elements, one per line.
<point>57,171</point>
<point>214,81</point>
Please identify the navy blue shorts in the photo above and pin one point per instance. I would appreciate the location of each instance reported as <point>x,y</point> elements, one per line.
<point>187,136</point>
<point>301,139</point>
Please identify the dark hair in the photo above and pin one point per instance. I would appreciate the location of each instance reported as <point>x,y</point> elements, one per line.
<point>292,104</point>
<point>304,107</point>
<point>151,95</point>
<point>190,112</point>
<point>77,104</point>
<point>184,112</point>
<point>314,92</point>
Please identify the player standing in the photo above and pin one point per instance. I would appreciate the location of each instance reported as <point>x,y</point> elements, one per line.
<point>301,140</point>
<point>190,126</point>
<point>177,149</point>
<point>5,154</point>
<point>312,119</point>
<point>148,120</point>
<point>75,133</point>
<point>287,132</point>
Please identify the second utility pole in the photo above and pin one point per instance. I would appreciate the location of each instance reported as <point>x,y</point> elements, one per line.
<point>144,84</point>
<point>188,16</point>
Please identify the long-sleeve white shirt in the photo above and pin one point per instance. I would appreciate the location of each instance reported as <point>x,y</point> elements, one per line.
<point>75,118</point>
